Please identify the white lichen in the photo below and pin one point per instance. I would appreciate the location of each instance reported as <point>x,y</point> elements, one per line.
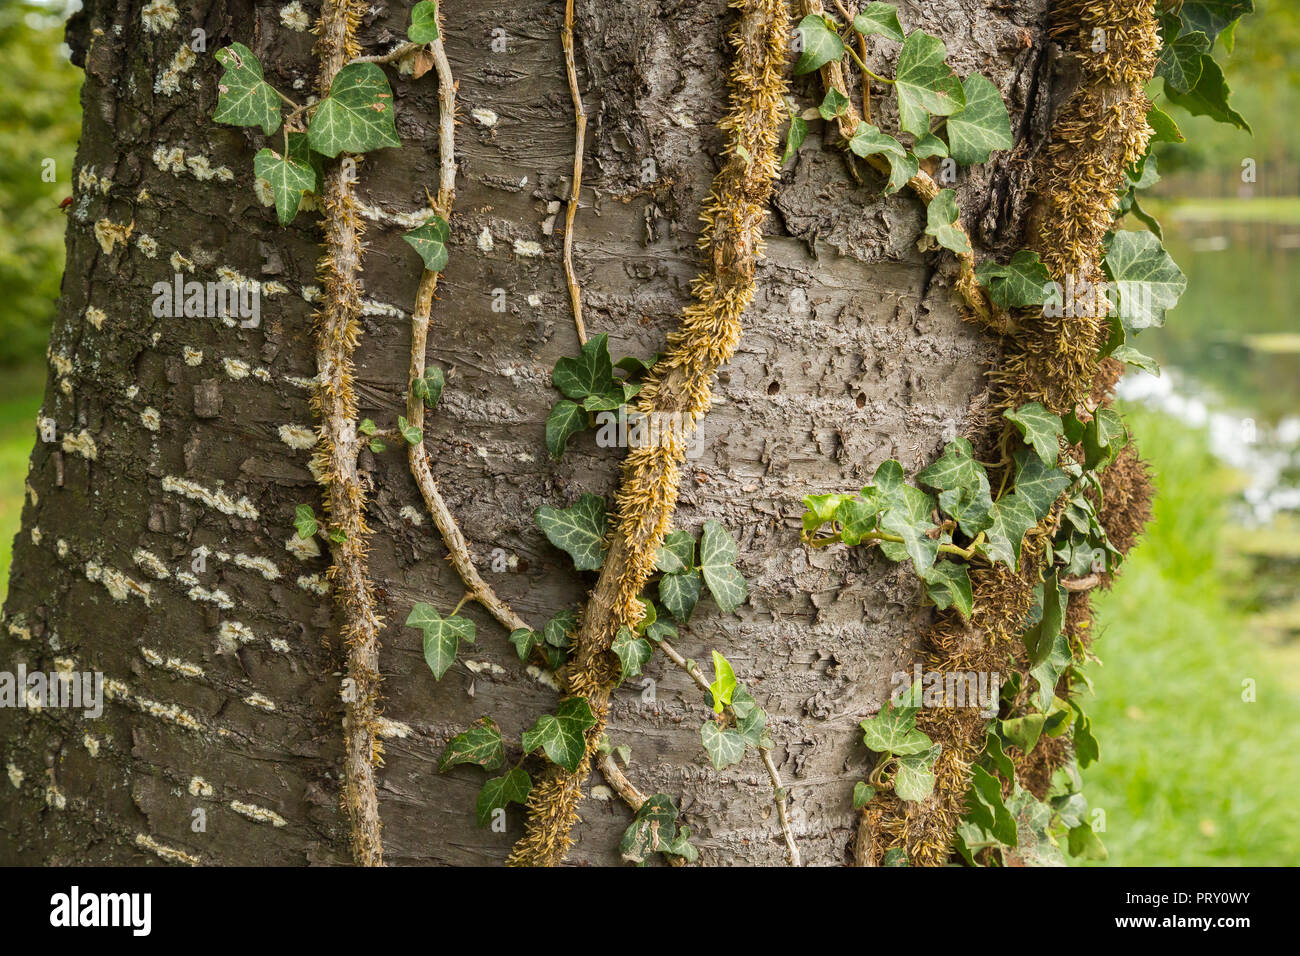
<point>240,507</point>
<point>151,419</point>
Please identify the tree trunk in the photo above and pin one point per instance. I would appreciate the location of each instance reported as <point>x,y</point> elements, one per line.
<point>168,465</point>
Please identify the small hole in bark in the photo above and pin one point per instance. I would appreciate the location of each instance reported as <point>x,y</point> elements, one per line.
<point>773,388</point>
<point>861,400</point>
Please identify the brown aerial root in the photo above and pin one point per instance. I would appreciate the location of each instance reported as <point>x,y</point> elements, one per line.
<point>337,332</point>
<point>1101,130</point>
<point>681,383</point>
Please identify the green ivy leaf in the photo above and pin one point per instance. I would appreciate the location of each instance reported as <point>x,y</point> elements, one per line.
<point>562,736</point>
<point>987,808</point>
<point>1084,843</point>
<point>653,830</point>
<point>948,585</point>
<point>1041,429</point>
<point>997,756</point>
<point>424,22</point>
<point>1212,17</point>
<point>907,515</point>
<point>1012,516</point>
<point>867,140</point>
<point>679,593</point>
<point>677,553</point>
<point>725,747</point>
<point>794,138</point>
<point>1179,63</point>
<point>892,730</point>
<point>925,83</point>
<point>927,145</point>
<point>941,218</point>
<point>429,387</point>
<point>1047,644</point>
<point>514,787</point>
<point>858,516</point>
<point>412,434</point>
<point>820,44</point>
<point>559,627</point>
<point>1040,485</point>
<point>1023,282</point>
<point>430,241</point>
<point>1209,97</point>
<point>718,554</point>
<point>863,793</point>
<point>244,98</point>
<point>304,519</point>
<point>1146,278</point>
<point>1023,731</point>
<point>881,18</point>
<point>579,529</point>
<point>819,509</point>
<point>566,420</point>
<point>480,745</point>
<point>288,181</point>
<point>1103,437</point>
<point>1165,130</point>
<point>357,115</point>
<point>590,373</point>
<point>963,485</point>
<point>914,778</point>
<point>723,684</point>
<point>442,635</point>
<point>524,639</point>
<point>833,104</point>
<point>632,652</point>
<point>981,126</point>
<point>1086,748</point>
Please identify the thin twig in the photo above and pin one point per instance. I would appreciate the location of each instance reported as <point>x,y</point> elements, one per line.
<point>580,134</point>
<point>397,53</point>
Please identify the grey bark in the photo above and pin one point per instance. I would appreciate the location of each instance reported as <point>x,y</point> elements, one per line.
<point>853,353</point>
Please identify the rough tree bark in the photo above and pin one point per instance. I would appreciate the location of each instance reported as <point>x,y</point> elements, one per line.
<point>853,352</point>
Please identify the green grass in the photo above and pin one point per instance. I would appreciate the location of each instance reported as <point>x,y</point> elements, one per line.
<point>1190,774</point>
<point>1283,210</point>
<point>18,410</point>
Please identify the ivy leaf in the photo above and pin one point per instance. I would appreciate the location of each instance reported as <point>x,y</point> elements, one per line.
<point>981,126</point>
<point>1165,130</point>
<point>357,115</point>
<point>819,509</point>
<point>244,98</point>
<point>566,420</point>
<point>820,44</point>
<point>1146,278</point>
<point>751,719</point>
<point>424,22</point>
<point>1038,484</point>
<point>1103,437</point>
<point>1012,516</point>
<point>677,553</point>
<point>867,140</point>
<point>948,585</point>
<point>892,730</point>
<point>997,756</point>
<point>963,485</point>
<point>1040,428</point>
<point>430,241</point>
<point>1086,748</point>
<point>907,515</point>
<point>794,138</point>
<point>500,791</point>
<point>1023,731</point>
<point>632,652</point>
<point>1048,647</point>
<point>833,104</point>
<point>679,593</point>
<point>559,627</point>
<point>1084,843</point>
<point>927,145</point>
<point>881,18</point>
<point>578,529</point>
<point>718,554</point>
<point>925,83</point>
<point>288,181</point>
<point>653,829</point>
<point>1209,97</point>
<point>480,745</point>
<point>987,808</point>
<point>442,635</point>
<point>914,779</point>
<point>524,639</point>
<point>858,516</point>
<point>863,793</point>
<point>1023,282</point>
<point>725,747</point>
<point>304,519</point>
<point>429,387</point>
<point>1212,17</point>
<point>1179,63</point>
<point>590,373</point>
<point>724,683</point>
<point>941,221</point>
<point>412,434</point>
<point>562,735</point>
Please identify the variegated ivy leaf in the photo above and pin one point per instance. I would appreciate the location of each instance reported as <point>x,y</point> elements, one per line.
<point>430,241</point>
<point>1146,279</point>
<point>288,181</point>
<point>892,730</point>
<point>963,485</point>
<point>524,639</point>
<point>948,585</point>
<point>562,735</point>
<point>559,627</point>
<point>914,778</point>
<point>357,115</point>
<point>442,635</point>
<point>906,514</point>
<point>1038,484</point>
<point>718,554</point>
<point>941,221</point>
<point>590,373</point>
<point>820,44</point>
<point>677,553</point>
<point>514,787</point>
<point>751,720</point>
<point>858,516</point>
<point>632,652</point>
<point>724,683</point>
<point>411,433</point>
<point>579,529</point>
<point>679,593</point>
<point>1041,429</point>
<point>424,22</point>
<point>867,141</point>
<point>925,83</point>
<point>1024,281</point>
<point>928,145</point>
<point>304,519</point>
<point>480,745</point>
<point>244,98</point>
<point>881,18</point>
<point>565,420</point>
<point>981,126</point>
<point>895,856</point>
<point>1013,516</point>
<point>725,747</point>
<point>653,830</point>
